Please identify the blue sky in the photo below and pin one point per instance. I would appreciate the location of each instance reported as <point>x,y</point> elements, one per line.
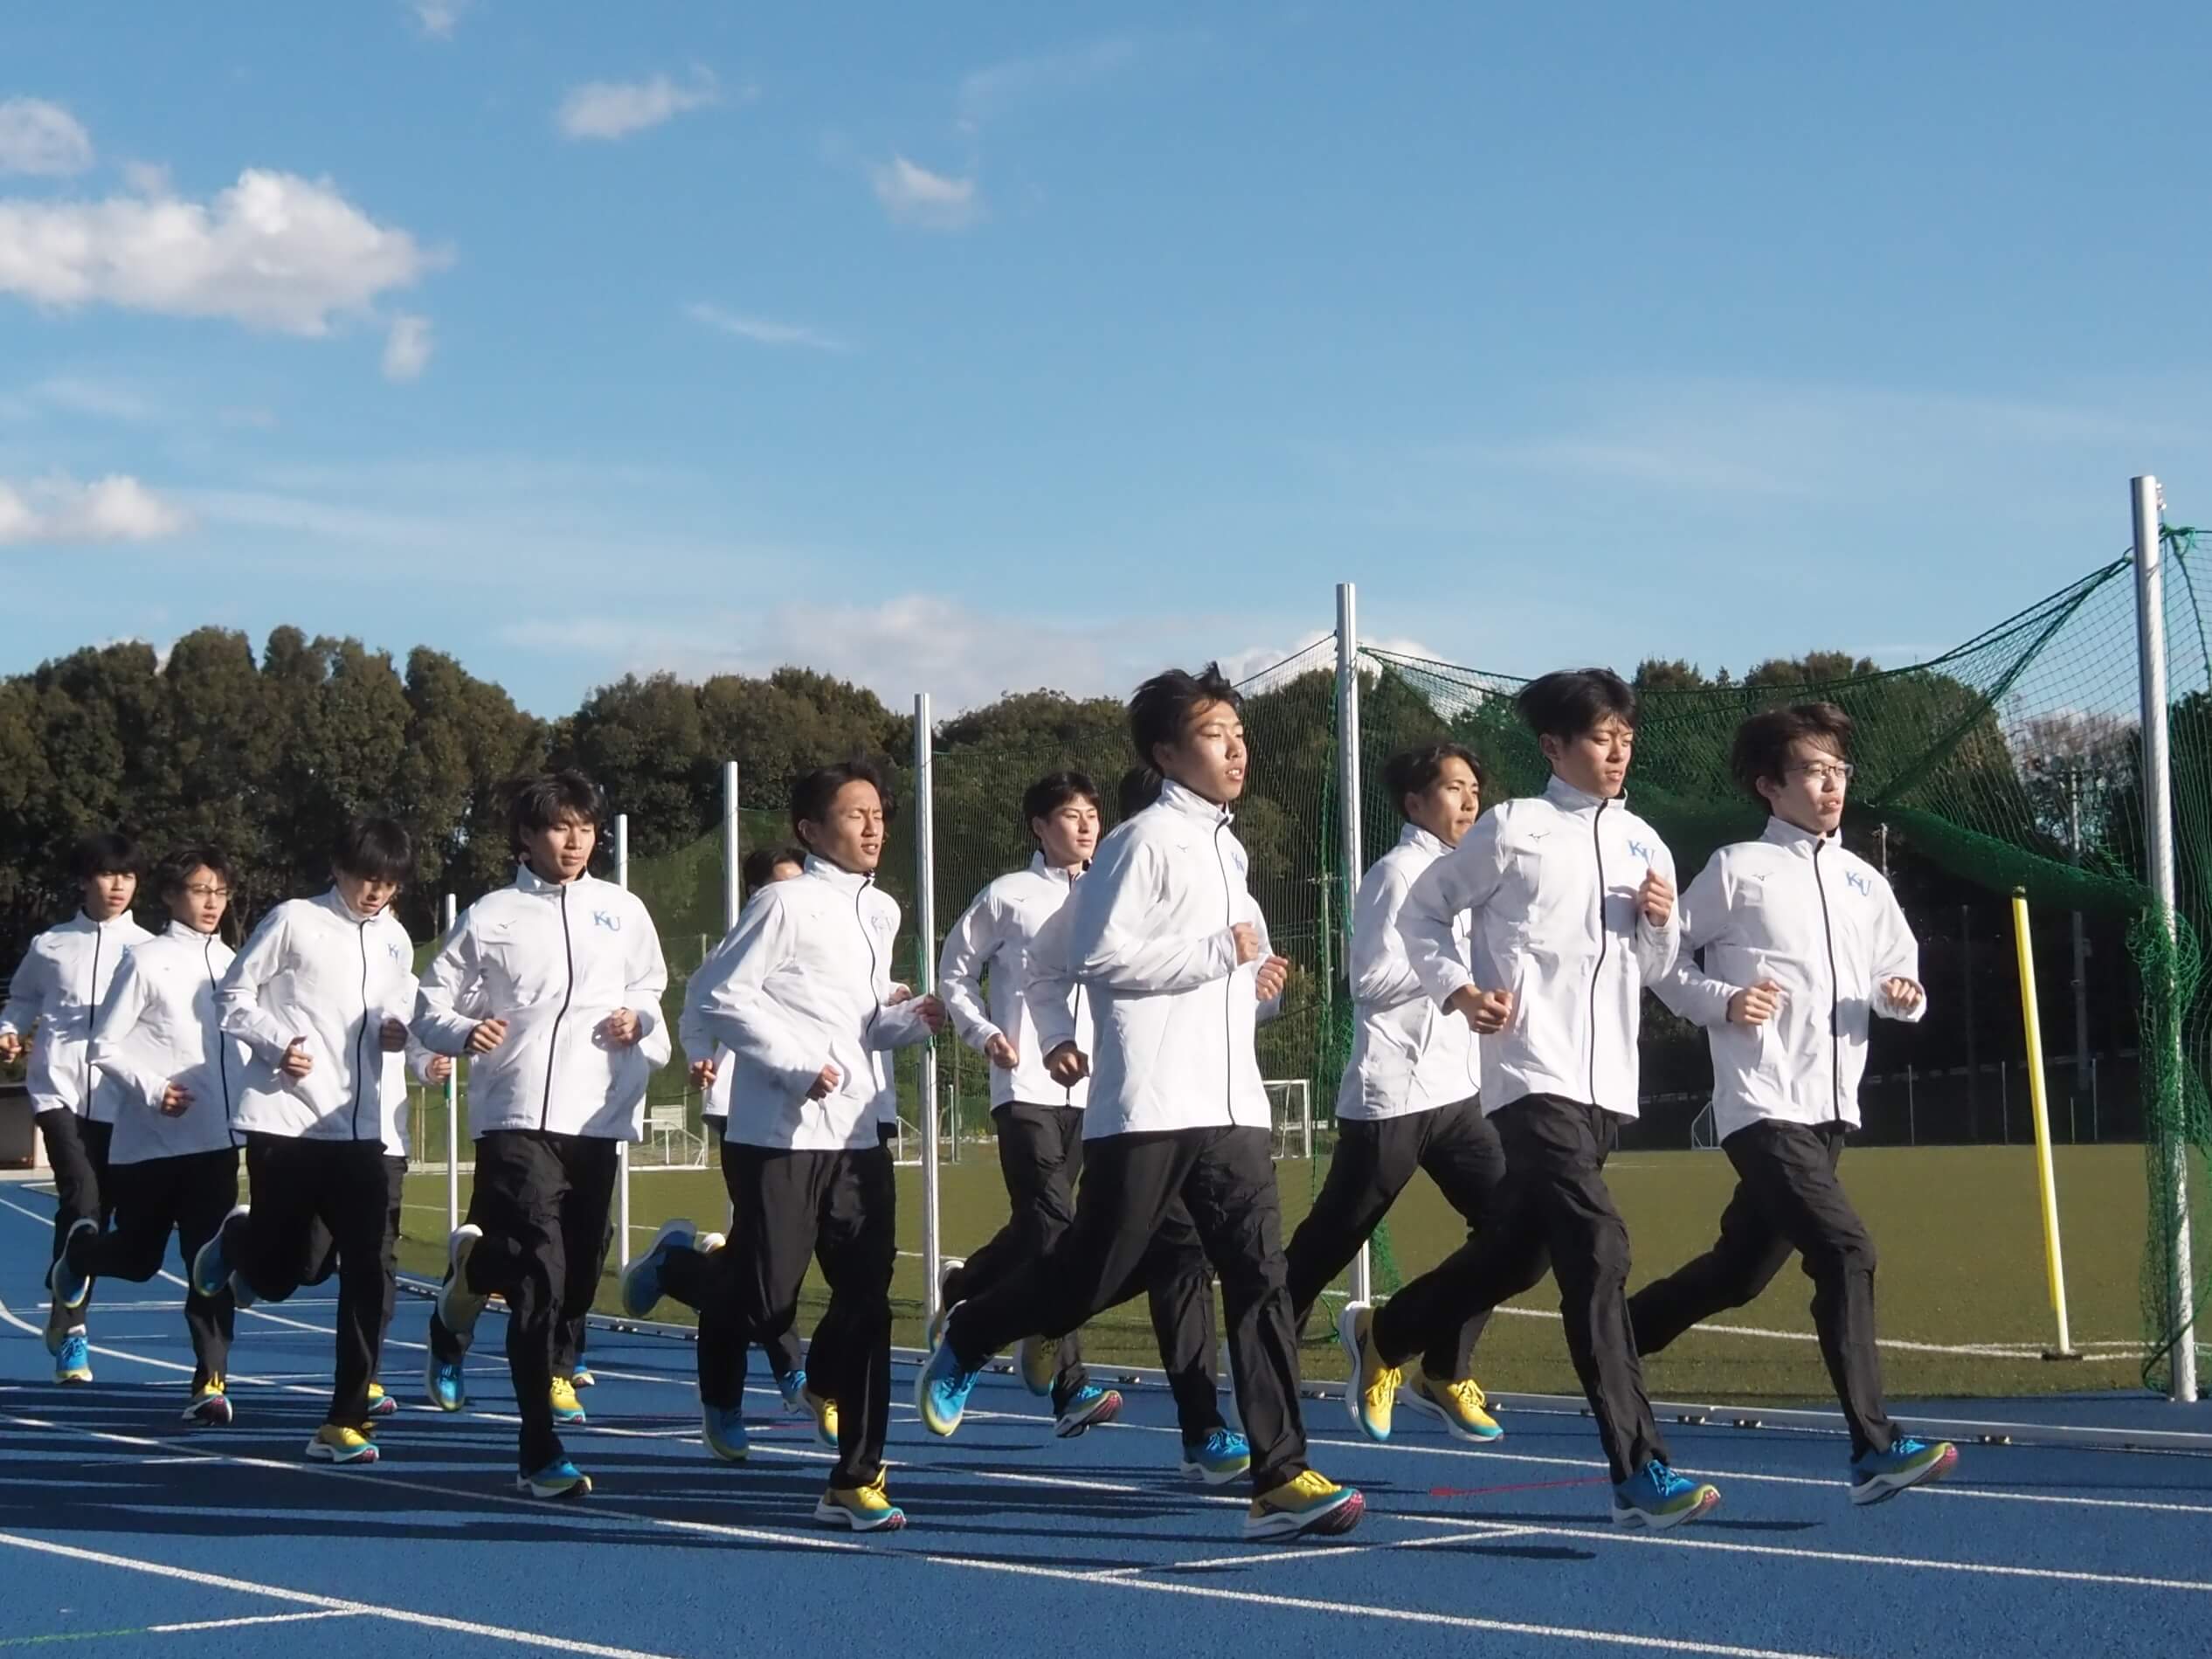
<point>964,348</point>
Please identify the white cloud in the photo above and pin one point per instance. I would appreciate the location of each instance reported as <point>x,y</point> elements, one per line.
<point>275,252</point>
<point>407,348</point>
<point>115,509</point>
<point>998,88</point>
<point>762,331</point>
<point>616,108</point>
<point>41,138</point>
<point>914,195</point>
<point>437,18</point>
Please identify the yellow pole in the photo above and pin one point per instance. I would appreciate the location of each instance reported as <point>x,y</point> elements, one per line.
<point>2032,1020</point>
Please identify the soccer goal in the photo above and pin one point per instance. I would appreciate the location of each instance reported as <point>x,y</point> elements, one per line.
<point>1290,1115</point>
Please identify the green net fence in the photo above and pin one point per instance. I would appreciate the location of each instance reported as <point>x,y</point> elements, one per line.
<point>2012,762</point>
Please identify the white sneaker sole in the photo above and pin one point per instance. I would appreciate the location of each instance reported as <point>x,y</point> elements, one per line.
<point>832,1514</point>
<point>1339,1518</point>
<point>1636,1520</point>
<point>1348,1337</point>
<point>1413,1400</point>
<point>318,1453</point>
<point>529,1487</point>
<point>1883,1488</point>
<point>459,1308</point>
<point>634,1302</point>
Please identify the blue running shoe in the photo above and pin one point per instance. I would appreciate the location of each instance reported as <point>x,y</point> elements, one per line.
<point>941,1390</point>
<point>72,1360</point>
<point>1086,1407</point>
<point>791,1385</point>
<point>723,1430</point>
<point>642,1280</point>
<point>1655,1497</point>
<point>212,1268</point>
<point>442,1385</point>
<point>1224,1455</point>
<point>69,1284</point>
<point>559,1479</point>
<point>1880,1476</point>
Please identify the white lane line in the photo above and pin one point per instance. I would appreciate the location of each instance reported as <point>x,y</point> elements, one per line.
<point>264,1618</point>
<point>329,1603</point>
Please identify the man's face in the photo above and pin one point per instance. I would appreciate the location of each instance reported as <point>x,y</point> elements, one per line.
<point>365,894</point>
<point>1068,835</point>
<point>562,851</point>
<point>1209,758</point>
<point>850,835</point>
<point>199,903</point>
<point>108,894</point>
<point>1449,807</point>
<point>1814,781</point>
<point>1597,762</point>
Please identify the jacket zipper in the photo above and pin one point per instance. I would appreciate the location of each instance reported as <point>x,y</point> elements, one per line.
<point>1834,992</point>
<point>359,1066</point>
<point>1068,1093</point>
<point>1228,1032</point>
<point>92,1015</point>
<point>222,1059</point>
<point>1596,848</point>
<point>553,1037</point>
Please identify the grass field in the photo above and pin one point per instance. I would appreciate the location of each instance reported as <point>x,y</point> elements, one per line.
<point>1962,1268</point>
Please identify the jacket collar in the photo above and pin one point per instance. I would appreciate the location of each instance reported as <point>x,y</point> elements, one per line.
<point>188,933</point>
<point>836,874</point>
<point>1415,835</point>
<point>1781,832</point>
<point>1567,798</point>
<point>1191,803</point>
<point>335,902</point>
<point>82,923</point>
<point>528,881</point>
<point>1050,872</point>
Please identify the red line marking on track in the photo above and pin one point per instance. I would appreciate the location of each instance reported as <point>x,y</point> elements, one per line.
<point>1521,1486</point>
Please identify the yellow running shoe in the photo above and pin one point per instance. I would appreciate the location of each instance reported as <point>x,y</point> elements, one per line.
<point>567,1408</point>
<point>1460,1404</point>
<point>210,1406</point>
<point>380,1403</point>
<point>1038,1359</point>
<point>1312,1506</point>
<point>865,1509</point>
<point>823,1412</point>
<point>335,1443</point>
<point>1373,1387</point>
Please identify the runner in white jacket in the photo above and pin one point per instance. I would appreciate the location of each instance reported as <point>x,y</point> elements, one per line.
<point>1409,1096</point>
<point>173,1166</point>
<point>552,986</point>
<point>1571,901</point>
<point>319,995</point>
<point>1803,943</point>
<point>688,1275</point>
<point>800,993</point>
<point>57,989</point>
<point>1157,935</point>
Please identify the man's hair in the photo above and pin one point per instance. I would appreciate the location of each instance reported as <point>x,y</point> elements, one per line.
<point>812,795</point>
<point>537,803</point>
<point>1139,788</point>
<point>1054,790</point>
<point>173,872</point>
<point>1762,743</point>
<point>1570,702</point>
<point>373,849</point>
<point>1163,705</point>
<point>759,868</point>
<point>103,853</point>
<point>1410,771</point>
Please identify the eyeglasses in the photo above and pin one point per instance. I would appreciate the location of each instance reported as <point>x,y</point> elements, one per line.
<point>208,892</point>
<point>1821,771</point>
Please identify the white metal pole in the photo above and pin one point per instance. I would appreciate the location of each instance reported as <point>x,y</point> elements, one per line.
<point>733,853</point>
<point>452,1117</point>
<point>1348,820</point>
<point>622,1148</point>
<point>2158,816</point>
<point>925,983</point>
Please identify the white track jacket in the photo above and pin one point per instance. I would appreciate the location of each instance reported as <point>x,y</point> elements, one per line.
<point>995,937</point>
<point>58,988</point>
<point>160,1024</point>
<point>1819,922</point>
<point>1146,937</point>
<point>805,981</point>
<point>315,969</point>
<point>555,960</point>
<point>1407,1054</point>
<point>1550,883</point>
